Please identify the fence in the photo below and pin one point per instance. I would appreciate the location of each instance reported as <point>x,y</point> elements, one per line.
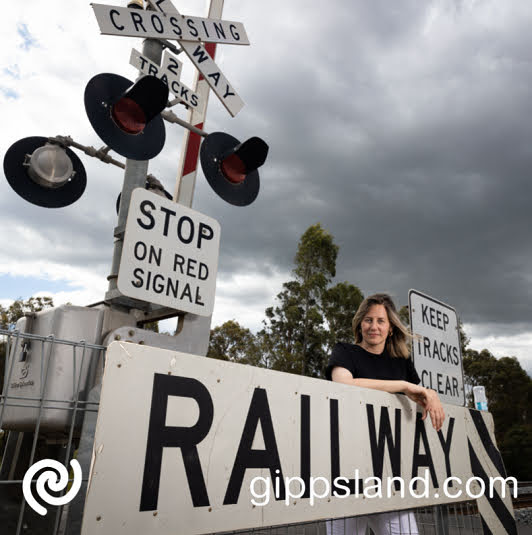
<point>47,412</point>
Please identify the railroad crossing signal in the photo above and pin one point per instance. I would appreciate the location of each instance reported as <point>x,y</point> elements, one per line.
<point>167,23</point>
<point>44,173</point>
<point>126,116</point>
<point>231,167</point>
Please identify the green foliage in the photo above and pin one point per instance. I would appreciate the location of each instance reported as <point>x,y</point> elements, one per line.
<point>309,318</point>
<point>516,449</point>
<point>509,394</point>
<point>340,302</point>
<point>151,326</point>
<point>234,343</point>
<point>404,315</point>
<point>294,337</point>
<point>18,308</point>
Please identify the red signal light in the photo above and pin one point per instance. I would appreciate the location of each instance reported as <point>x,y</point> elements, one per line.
<point>129,116</point>
<point>234,169</point>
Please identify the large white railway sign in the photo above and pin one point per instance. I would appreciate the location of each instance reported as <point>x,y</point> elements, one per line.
<point>436,350</point>
<point>170,254</point>
<point>193,445</point>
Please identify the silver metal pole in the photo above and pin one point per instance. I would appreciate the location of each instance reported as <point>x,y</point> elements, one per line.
<point>134,177</point>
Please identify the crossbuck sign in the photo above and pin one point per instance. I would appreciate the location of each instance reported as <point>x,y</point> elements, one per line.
<point>167,23</point>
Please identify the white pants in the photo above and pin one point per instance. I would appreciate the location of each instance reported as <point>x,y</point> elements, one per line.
<point>395,523</point>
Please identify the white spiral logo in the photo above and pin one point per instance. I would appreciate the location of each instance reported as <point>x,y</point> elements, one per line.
<point>54,484</point>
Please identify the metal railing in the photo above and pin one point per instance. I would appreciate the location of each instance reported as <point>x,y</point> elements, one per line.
<point>40,421</point>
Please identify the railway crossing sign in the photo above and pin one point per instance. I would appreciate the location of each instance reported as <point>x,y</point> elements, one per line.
<point>436,347</point>
<point>170,254</point>
<point>114,20</point>
<point>167,23</point>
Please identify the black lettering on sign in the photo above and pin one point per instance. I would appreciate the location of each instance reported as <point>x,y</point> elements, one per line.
<point>215,76</point>
<point>140,252</point>
<point>191,267</point>
<point>152,70</point>
<point>446,446</point>
<point>173,66</point>
<point>227,92</point>
<point>177,29</point>
<point>422,459</point>
<point>179,261</point>
<point>426,346</point>
<point>164,79</point>
<point>158,284</point>
<point>161,436</point>
<point>198,300</point>
<point>385,438</point>
<point>205,28</point>
<point>205,233</point>
<point>424,374</point>
<point>434,318</point>
<point>194,100</point>
<point>234,33</point>
<point>137,21</point>
<point>246,457</point>
<point>305,444</point>
<point>219,30</point>
<point>175,86</point>
<point>203,272</point>
<point>157,23</point>
<point>112,13</point>
<point>168,213</point>
<point>143,62</point>
<point>201,53</point>
<point>455,387</point>
<point>144,209</point>
<point>158,4</point>
<point>180,229</point>
<point>137,273</point>
<point>192,28</point>
<point>352,484</point>
<point>186,293</point>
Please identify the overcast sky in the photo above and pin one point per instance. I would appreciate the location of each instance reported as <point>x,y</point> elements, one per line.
<point>403,127</point>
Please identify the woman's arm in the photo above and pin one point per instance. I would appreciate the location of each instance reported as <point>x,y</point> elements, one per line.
<point>426,398</point>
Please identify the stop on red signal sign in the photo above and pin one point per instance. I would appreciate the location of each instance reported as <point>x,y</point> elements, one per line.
<point>170,254</point>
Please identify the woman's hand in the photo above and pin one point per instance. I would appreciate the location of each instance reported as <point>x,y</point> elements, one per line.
<point>429,401</point>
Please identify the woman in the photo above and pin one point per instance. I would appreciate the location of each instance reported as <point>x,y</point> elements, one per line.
<point>380,359</point>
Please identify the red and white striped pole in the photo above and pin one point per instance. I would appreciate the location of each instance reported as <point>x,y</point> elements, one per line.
<point>188,166</point>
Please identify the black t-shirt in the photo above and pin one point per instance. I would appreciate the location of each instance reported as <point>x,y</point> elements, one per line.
<point>365,365</point>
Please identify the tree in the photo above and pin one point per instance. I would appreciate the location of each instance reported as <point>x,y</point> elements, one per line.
<point>17,309</point>
<point>295,337</point>
<point>509,394</point>
<point>339,306</point>
<point>516,449</point>
<point>234,343</point>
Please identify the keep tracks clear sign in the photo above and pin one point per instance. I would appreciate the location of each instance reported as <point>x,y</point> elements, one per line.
<point>170,254</point>
<point>436,347</point>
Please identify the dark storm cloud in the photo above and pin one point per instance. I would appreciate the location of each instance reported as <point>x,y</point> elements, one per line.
<point>403,127</point>
<point>414,151</point>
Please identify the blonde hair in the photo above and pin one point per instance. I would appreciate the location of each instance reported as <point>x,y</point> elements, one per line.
<point>398,343</point>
